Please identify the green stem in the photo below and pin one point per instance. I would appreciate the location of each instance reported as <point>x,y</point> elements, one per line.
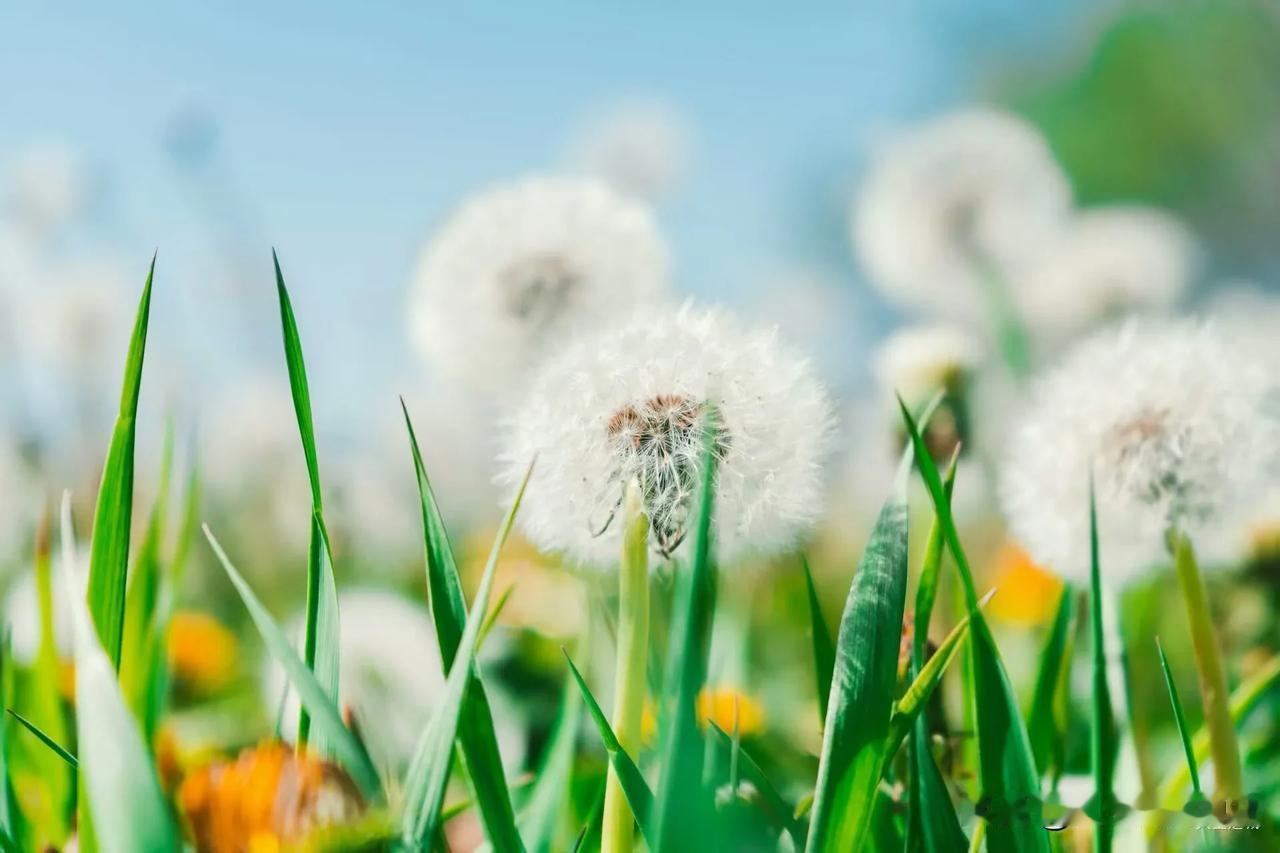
<point>1213,678</point>
<point>617,831</point>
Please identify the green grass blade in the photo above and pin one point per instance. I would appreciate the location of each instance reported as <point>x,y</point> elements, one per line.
<point>476,732</point>
<point>127,806</point>
<point>55,747</point>
<point>779,810</point>
<point>682,807</point>
<point>7,844</point>
<point>1010,788</point>
<point>1044,728</point>
<point>636,789</point>
<point>1103,743</point>
<point>109,550</point>
<point>540,817</point>
<point>187,527</point>
<point>930,573</point>
<point>348,749</point>
<point>937,822</point>
<point>913,700</point>
<point>428,775</point>
<point>824,650</point>
<point>1184,733</point>
<point>864,684</point>
<point>321,628</point>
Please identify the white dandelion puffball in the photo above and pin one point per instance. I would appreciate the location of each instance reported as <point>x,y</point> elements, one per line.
<point>640,146</point>
<point>47,185</point>
<point>390,676</point>
<point>522,265</point>
<point>1166,415</point>
<point>969,192</point>
<point>918,361</point>
<point>1107,263</point>
<point>629,403</point>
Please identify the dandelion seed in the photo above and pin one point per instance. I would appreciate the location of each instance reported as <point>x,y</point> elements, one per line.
<point>1108,263</point>
<point>1166,416</point>
<point>967,194</point>
<point>632,402</point>
<point>523,265</point>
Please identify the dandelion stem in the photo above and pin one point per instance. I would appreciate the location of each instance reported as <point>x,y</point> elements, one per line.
<point>617,831</point>
<point>1213,678</point>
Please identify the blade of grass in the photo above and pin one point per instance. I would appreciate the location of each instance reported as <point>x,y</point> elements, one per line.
<point>479,742</point>
<point>864,684</point>
<point>824,650</point>
<point>682,807</point>
<point>124,798</point>
<point>55,747</point>
<point>109,548</point>
<point>540,817</point>
<point>1044,728</point>
<point>1199,801</point>
<point>636,789</point>
<point>781,812</point>
<point>1006,768</point>
<point>428,775</point>
<point>1103,741</point>
<point>348,749</point>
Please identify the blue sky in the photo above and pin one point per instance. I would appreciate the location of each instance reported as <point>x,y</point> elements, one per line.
<point>345,131</point>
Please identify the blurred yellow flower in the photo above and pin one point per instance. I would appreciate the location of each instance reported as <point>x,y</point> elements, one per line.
<point>202,652</point>
<point>1026,594</point>
<point>722,705</point>
<point>648,723</point>
<point>267,798</point>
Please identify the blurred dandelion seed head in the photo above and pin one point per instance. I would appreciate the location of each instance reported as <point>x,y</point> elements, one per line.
<point>523,264</point>
<point>1166,416</point>
<point>639,146</point>
<point>970,191</point>
<point>47,185</point>
<point>919,361</point>
<point>630,403</point>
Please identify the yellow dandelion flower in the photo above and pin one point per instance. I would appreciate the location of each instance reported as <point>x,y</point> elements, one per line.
<point>267,798</point>
<point>202,652</point>
<point>1026,593</point>
<point>724,705</point>
<point>648,723</point>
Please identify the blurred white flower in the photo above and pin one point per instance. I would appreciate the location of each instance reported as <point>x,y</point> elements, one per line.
<point>630,403</point>
<point>22,610</point>
<point>972,190</point>
<point>641,147</point>
<point>918,361</point>
<point>810,306</point>
<point>1166,416</point>
<point>521,265</point>
<point>1107,263</point>
<point>390,676</point>
<point>47,184</point>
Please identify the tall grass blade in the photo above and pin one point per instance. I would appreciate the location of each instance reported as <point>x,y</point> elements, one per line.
<point>1007,770</point>
<point>541,815</point>
<point>347,748</point>
<point>864,684</point>
<point>683,806</point>
<point>476,733</point>
<point>321,628</point>
<point>1103,742</point>
<point>778,809</point>
<point>109,550</point>
<point>1198,800</point>
<point>639,797</point>
<point>56,748</point>
<point>1044,727</point>
<point>428,776</point>
<point>824,650</point>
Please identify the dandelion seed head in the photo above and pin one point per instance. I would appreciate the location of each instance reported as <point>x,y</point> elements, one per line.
<point>522,265</point>
<point>1108,262</point>
<point>640,146</point>
<point>918,361</point>
<point>1165,416</point>
<point>972,190</point>
<point>631,403</point>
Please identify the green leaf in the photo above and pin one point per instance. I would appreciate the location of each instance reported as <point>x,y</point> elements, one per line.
<point>682,807</point>
<point>109,553</point>
<point>540,816</point>
<point>824,650</point>
<point>114,758</point>
<point>1010,790</point>
<point>55,747</point>
<point>476,733</point>
<point>909,706</point>
<point>347,748</point>
<point>864,684</point>
<point>1045,729</point>
<point>1184,733</point>
<point>321,629</point>
<point>636,789</point>
<point>1104,741</point>
<point>7,844</point>
<point>781,812</point>
<point>428,775</point>
<point>939,826</point>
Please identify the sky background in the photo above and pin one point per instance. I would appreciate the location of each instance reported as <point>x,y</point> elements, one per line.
<point>341,133</point>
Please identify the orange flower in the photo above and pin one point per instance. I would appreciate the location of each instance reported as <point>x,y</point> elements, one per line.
<point>1026,594</point>
<point>202,652</point>
<point>266,798</point>
<point>721,705</point>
